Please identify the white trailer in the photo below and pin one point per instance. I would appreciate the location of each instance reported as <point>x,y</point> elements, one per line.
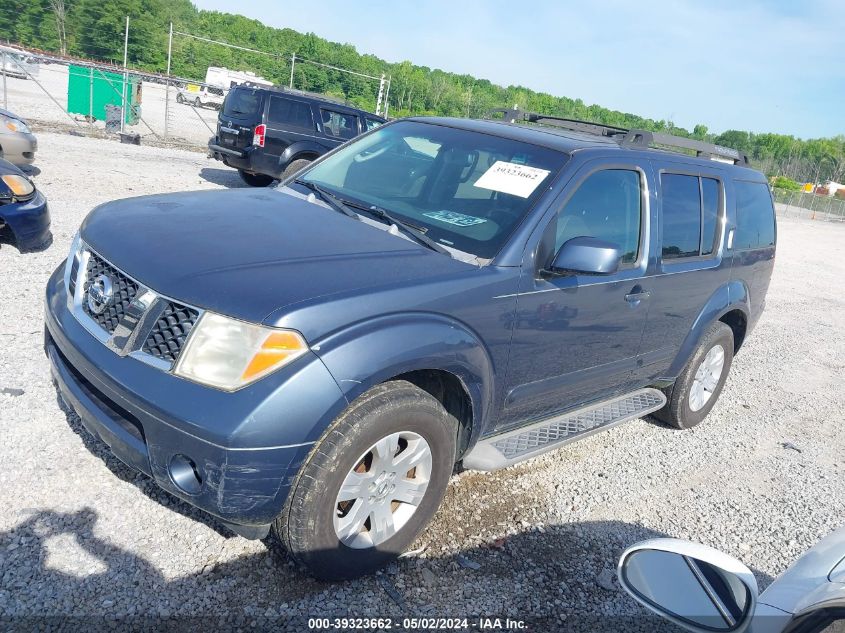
<point>225,78</point>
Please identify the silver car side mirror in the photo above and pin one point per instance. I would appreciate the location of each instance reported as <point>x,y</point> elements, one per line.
<point>694,586</point>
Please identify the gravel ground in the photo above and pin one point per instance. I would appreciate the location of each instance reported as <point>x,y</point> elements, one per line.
<point>82,535</point>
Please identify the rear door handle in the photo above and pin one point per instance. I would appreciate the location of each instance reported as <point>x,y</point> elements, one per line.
<point>636,297</point>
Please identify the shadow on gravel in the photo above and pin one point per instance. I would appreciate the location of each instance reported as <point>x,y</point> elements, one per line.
<point>56,571</point>
<point>554,577</point>
<point>224,177</point>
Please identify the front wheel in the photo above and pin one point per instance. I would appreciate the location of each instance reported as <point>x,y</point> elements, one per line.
<point>255,180</point>
<point>371,483</point>
<point>700,383</point>
<point>179,98</point>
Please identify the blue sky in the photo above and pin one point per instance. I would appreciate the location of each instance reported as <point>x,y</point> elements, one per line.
<point>757,65</point>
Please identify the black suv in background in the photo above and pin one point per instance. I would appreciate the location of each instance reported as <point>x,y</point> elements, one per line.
<point>270,133</point>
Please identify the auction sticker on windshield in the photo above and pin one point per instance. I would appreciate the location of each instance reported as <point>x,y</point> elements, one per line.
<point>458,219</point>
<point>517,180</point>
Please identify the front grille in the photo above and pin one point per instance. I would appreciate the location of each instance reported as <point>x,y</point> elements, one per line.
<point>125,290</point>
<point>170,331</point>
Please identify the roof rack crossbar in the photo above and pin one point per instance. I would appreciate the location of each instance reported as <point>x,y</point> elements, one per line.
<point>634,138</point>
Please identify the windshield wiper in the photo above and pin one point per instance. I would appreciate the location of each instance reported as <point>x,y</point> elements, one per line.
<point>332,200</point>
<point>409,229</point>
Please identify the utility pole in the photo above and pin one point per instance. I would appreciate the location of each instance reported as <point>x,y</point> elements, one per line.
<point>292,62</point>
<point>125,75</point>
<point>167,83</point>
<point>380,95</point>
<point>3,70</point>
<point>387,97</point>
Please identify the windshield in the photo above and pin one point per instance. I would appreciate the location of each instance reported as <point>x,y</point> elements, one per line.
<point>463,189</point>
<point>241,101</point>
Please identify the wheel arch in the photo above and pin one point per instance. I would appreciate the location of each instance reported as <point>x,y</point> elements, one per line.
<point>298,150</point>
<point>439,355</point>
<point>728,304</point>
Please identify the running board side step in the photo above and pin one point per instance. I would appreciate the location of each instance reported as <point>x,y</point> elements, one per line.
<point>500,451</point>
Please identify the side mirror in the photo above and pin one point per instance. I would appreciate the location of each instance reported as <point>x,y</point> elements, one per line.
<point>587,255</point>
<point>695,586</point>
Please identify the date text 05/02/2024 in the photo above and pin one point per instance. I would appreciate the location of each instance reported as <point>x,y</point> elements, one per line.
<point>429,624</point>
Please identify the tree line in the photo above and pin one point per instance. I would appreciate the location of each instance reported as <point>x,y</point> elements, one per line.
<point>95,29</point>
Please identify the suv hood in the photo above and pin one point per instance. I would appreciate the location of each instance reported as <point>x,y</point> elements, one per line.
<point>248,253</point>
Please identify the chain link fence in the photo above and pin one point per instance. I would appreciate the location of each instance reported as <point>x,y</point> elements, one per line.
<point>809,206</point>
<point>96,99</point>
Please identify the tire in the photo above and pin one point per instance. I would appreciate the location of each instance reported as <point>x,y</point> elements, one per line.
<point>311,525</point>
<point>294,167</point>
<point>255,180</point>
<point>687,404</point>
<point>197,102</point>
<point>179,98</point>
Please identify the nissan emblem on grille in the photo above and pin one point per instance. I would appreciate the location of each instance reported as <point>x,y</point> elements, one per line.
<point>100,294</point>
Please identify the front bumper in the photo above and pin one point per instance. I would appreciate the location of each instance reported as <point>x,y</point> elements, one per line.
<point>19,148</point>
<point>151,419</point>
<point>29,222</point>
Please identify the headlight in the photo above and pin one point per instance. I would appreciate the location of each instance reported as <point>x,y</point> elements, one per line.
<point>15,125</point>
<point>19,186</point>
<point>229,354</point>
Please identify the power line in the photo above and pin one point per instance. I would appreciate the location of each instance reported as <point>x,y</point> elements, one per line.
<point>275,55</point>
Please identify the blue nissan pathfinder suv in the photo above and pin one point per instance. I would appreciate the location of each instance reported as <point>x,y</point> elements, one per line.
<point>314,359</point>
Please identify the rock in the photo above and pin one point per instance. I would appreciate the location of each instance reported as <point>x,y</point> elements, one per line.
<point>467,563</point>
<point>605,580</point>
<point>428,576</point>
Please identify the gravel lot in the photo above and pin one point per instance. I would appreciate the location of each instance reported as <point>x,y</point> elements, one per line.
<point>82,535</point>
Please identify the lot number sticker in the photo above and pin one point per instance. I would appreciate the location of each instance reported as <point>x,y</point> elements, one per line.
<point>518,180</point>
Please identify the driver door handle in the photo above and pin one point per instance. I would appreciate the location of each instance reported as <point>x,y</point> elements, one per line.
<point>636,295</point>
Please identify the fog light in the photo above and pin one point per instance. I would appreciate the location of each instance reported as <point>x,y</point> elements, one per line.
<point>184,473</point>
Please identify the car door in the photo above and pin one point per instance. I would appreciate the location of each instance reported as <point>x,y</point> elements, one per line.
<point>576,337</point>
<point>690,266</point>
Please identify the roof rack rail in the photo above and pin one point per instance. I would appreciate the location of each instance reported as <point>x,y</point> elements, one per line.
<point>633,138</point>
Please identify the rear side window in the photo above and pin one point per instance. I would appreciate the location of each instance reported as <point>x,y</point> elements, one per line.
<point>339,124</point>
<point>755,216</point>
<point>288,112</point>
<point>242,102</point>
<point>689,215</point>
<point>607,206</point>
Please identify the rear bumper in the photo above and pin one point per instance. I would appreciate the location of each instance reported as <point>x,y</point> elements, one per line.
<point>237,158</point>
<point>29,222</point>
<point>149,419</point>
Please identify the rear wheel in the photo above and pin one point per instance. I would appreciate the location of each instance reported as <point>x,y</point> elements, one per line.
<point>294,167</point>
<point>255,180</point>
<point>700,383</point>
<point>197,102</point>
<point>371,483</point>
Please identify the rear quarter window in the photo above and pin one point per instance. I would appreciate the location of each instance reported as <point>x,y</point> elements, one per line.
<point>289,112</point>
<point>755,216</point>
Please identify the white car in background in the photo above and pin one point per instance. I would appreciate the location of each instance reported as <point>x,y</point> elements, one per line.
<point>205,97</point>
<point>701,589</point>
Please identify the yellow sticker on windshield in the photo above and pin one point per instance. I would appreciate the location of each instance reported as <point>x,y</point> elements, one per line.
<point>517,180</point>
